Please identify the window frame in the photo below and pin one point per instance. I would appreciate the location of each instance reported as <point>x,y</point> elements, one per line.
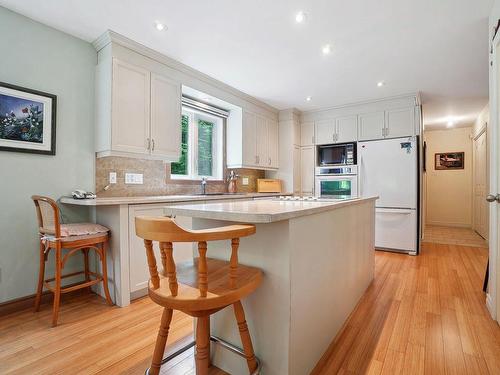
<point>218,148</point>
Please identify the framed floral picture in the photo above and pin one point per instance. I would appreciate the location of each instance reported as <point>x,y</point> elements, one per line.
<point>27,120</point>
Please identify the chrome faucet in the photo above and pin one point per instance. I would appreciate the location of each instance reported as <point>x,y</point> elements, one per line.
<point>203,185</point>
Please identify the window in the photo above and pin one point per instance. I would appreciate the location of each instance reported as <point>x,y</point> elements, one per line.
<point>201,146</point>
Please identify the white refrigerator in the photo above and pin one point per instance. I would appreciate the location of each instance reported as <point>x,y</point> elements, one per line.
<point>389,169</point>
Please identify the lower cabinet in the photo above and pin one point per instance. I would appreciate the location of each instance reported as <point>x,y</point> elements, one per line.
<point>139,271</point>
<point>307,170</point>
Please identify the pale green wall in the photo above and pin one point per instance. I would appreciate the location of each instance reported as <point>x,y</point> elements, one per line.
<point>39,57</point>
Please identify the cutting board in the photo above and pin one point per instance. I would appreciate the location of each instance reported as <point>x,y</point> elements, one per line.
<point>268,185</point>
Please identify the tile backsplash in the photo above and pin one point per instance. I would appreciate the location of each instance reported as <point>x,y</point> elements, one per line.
<point>157,179</point>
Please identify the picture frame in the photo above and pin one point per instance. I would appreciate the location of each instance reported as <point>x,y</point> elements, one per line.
<point>449,161</point>
<point>27,120</point>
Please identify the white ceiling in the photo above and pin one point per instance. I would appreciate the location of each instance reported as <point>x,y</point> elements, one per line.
<point>437,47</point>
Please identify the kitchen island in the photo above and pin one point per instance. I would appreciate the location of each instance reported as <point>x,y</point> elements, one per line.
<point>318,260</point>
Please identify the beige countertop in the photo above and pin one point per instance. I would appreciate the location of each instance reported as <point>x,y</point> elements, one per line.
<point>260,211</point>
<point>164,199</point>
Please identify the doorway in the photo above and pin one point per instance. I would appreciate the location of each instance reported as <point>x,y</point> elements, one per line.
<point>480,184</point>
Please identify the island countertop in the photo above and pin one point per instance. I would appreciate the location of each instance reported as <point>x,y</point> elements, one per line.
<point>259,211</point>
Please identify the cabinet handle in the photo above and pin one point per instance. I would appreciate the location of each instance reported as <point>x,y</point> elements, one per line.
<point>149,144</point>
<point>383,132</point>
<point>152,145</point>
<point>269,161</point>
<point>312,139</point>
<point>386,132</point>
<point>256,159</point>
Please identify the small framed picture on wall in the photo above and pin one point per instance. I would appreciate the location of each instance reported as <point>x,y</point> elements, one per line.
<point>449,160</point>
<point>27,120</point>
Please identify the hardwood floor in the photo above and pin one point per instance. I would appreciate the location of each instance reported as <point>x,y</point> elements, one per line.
<point>421,315</point>
<point>453,236</point>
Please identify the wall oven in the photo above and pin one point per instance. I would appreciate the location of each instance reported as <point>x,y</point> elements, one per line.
<point>337,183</point>
<point>337,154</point>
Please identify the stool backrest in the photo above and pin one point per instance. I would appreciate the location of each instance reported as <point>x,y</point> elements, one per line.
<point>166,231</point>
<point>47,213</point>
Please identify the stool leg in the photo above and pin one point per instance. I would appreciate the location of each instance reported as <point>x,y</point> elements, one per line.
<point>246,340</point>
<point>57,286</point>
<point>202,345</point>
<point>161,341</point>
<point>41,277</point>
<point>87,268</point>
<point>105,272</point>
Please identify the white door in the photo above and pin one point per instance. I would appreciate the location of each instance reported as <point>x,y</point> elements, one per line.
<point>307,133</point>
<point>165,117</point>
<point>325,132</point>
<point>396,229</point>
<point>400,122</point>
<point>347,129</point>
<point>131,108</point>
<point>249,139</point>
<point>272,144</point>
<point>296,170</point>
<point>371,126</point>
<point>480,186</point>
<point>388,169</point>
<point>307,170</point>
<point>262,139</point>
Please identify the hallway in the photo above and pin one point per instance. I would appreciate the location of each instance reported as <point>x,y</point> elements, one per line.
<point>453,236</point>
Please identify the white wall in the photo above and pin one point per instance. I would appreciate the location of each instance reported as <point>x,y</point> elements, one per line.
<point>38,57</point>
<point>449,192</point>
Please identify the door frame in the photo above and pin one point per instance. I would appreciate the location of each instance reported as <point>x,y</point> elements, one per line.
<point>475,137</point>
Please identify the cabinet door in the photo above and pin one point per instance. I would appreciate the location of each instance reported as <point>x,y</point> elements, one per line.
<point>400,122</point>
<point>249,139</point>
<point>325,132</point>
<point>371,126</point>
<point>307,170</point>
<point>139,271</point>
<point>165,117</point>
<point>273,144</point>
<point>262,140</point>
<point>296,170</point>
<point>130,129</point>
<point>347,129</point>
<point>307,133</point>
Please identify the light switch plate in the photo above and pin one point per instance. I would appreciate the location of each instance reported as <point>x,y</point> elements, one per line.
<point>134,178</point>
<point>244,181</point>
<point>112,177</point>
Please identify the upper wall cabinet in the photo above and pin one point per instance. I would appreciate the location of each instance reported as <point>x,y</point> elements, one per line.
<point>138,112</point>
<point>371,126</point>
<point>307,133</point>
<point>325,131</point>
<point>339,130</point>
<point>392,123</point>
<point>253,143</point>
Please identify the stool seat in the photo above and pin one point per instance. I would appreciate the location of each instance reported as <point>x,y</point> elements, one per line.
<point>220,293</point>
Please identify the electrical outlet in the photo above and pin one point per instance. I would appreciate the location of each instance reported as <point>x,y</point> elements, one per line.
<point>134,178</point>
<point>112,177</point>
<point>244,181</point>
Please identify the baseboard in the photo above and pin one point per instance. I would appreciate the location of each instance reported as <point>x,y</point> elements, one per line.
<point>448,224</point>
<point>490,306</point>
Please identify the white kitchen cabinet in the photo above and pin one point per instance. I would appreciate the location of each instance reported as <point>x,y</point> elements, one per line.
<point>371,126</point>
<point>272,144</point>
<point>249,139</point>
<point>307,166</point>
<point>325,132</point>
<point>400,122</point>
<point>139,271</point>
<point>307,133</point>
<point>262,140</point>
<point>346,129</point>
<point>130,114</point>
<point>296,171</point>
<point>138,111</point>
<point>165,117</point>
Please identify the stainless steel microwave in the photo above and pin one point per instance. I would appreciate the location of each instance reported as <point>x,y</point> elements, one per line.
<point>337,154</point>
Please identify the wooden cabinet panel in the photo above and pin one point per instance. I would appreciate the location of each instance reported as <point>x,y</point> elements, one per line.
<point>307,133</point>
<point>296,170</point>
<point>371,126</point>
<point>307,170</point>
<point>400,122</point>
<point>346,129</point>
<point>272,144</point>
<point>165,117</point>
<point>262,141</point>
<point>325,132</point>
<point>130,108</point>
<point>249,139</point>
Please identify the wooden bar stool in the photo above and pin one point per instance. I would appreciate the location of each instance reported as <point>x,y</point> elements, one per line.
<point>73,237</point>
<point>199,287</point>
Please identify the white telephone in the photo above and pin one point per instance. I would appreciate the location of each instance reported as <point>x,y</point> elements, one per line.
<point>81,194</point>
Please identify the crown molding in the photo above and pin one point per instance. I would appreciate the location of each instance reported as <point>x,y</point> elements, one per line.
<point>113,37</point>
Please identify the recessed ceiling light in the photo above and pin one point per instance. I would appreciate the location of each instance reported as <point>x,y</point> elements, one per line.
<point>326,49</point>
<point>380,84</point>
<point>450,124</point>
<point>159,26</point>
<point>300,17</point>
<point>308,98</point>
